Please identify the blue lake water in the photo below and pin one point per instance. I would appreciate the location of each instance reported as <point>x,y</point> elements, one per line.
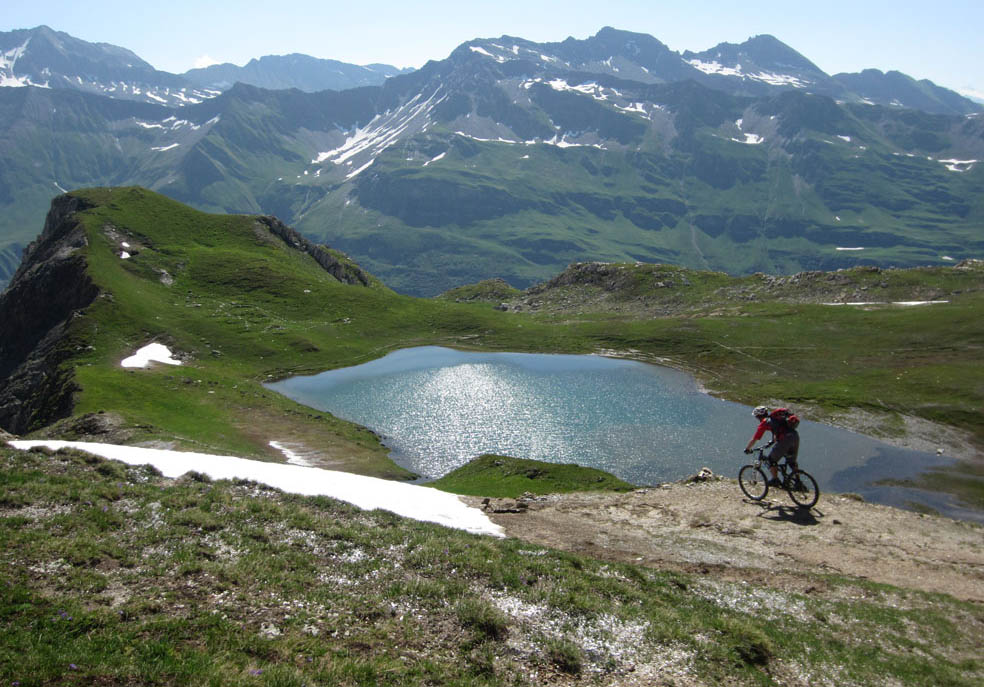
<point>437,408</point>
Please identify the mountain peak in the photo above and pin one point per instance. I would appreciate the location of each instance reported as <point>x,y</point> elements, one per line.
<point>617,42</point>
<point>764,53</point>
<point>72,48</point>
<point>608,33</point>
<point>766,41</point>
<point>47,58</point>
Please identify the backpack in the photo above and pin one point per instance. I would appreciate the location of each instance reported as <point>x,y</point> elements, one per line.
<point>783,420</point>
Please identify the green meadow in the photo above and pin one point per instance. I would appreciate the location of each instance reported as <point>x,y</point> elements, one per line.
<point>111,574</point>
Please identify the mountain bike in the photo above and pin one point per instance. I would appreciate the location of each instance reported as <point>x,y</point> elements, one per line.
<point>800,485</point>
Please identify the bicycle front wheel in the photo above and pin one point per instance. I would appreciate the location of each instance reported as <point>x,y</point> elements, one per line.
<point>753,482</point>
<point>802,489</point>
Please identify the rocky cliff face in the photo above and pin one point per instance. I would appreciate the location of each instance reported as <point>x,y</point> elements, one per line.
<point>36,310</point>
<point>344,271</point>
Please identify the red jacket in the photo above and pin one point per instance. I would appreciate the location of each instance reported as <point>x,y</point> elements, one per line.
<point>766,425</point>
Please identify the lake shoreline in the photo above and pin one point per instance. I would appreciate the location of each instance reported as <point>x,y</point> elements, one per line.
<point>915,434</point>
<point>839,449</point>
<point>918,434</point>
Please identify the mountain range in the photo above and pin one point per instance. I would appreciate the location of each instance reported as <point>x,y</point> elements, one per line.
<point>511,158</point>
<point>46,58</point>
<point>305,73</point>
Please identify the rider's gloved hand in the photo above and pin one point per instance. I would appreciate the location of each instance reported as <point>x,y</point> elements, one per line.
<point>748,450</point>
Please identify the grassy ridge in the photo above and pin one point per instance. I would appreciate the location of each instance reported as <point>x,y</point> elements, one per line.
<point>110,574</point>
<point>240,308</point>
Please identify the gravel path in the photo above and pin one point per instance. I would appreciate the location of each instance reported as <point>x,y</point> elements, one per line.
<point>710,528</point>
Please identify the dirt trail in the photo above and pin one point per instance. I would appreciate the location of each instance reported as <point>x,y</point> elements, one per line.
<point>710,528</point>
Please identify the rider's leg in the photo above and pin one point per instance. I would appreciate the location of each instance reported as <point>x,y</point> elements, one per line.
<point>792,452</point>
<point>788,446</point>
<point>774,469</point>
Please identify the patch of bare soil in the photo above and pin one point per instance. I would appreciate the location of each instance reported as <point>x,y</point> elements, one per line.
<point>711,528</point>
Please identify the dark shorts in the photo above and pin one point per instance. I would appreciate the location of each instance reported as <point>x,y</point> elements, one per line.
<point>788,446</point>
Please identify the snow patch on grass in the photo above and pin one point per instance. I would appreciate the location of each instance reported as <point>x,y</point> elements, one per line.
<point>151,353</point>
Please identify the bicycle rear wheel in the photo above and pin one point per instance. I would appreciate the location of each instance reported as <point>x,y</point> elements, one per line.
<point>753,482</point>
<point>802,488</point>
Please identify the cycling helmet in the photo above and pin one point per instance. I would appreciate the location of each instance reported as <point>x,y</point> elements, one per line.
<point>760,411</point>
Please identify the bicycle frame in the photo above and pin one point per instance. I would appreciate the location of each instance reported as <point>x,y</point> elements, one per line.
<point>800,485</point>
<point>763,461</point>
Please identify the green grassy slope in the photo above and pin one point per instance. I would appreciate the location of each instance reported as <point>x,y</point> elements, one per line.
<point>492,475</point>
<point>110,574</point>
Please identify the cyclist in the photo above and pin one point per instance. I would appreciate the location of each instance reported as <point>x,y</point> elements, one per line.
<point>785,437</point>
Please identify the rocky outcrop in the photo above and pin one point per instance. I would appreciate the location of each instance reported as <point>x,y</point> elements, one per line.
<point>615,277</point>
<point>37,308</point>
<point>334,263</point>
<point>100,427</point>
<point>657,289</point>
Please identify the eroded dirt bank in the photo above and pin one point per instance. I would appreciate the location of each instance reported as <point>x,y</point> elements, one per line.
<point>710,528</point>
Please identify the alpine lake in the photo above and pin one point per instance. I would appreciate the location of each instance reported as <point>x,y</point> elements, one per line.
<point>437,408</point>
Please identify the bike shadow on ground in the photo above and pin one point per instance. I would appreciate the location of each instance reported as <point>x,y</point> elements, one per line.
<point>805,517</point>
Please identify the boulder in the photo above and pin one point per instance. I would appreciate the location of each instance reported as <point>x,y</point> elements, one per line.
<point>705,475</point>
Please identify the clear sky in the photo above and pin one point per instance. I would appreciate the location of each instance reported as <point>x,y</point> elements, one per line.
<point>940,41</point>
